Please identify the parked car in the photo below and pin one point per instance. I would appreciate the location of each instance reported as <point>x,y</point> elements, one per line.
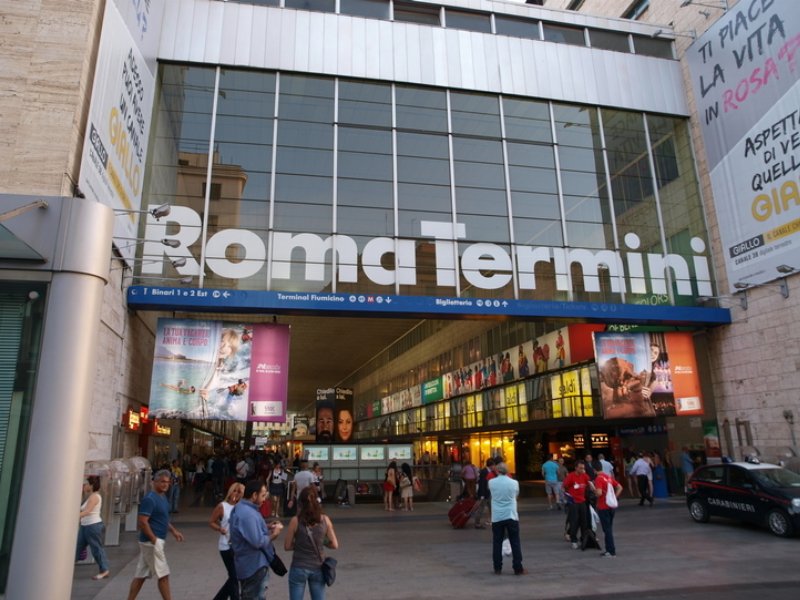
<point>760,493</point>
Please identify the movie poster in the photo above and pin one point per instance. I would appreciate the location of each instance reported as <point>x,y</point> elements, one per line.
<point>647,374</point>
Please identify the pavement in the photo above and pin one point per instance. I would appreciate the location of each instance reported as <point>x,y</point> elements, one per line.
<point>661,553</point>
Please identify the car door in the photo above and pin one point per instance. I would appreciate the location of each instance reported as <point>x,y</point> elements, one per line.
<point>709,481</point>
<point>740,500</point>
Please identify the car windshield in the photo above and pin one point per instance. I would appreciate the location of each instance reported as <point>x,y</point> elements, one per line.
<point>777,477</point>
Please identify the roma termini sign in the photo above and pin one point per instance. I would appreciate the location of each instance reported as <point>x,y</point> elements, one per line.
<point>484,265</point>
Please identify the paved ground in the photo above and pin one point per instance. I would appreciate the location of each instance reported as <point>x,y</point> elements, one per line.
<point>411,556</point>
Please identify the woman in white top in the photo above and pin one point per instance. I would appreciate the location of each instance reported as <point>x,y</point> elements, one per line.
<point>92,531</point>
<point>219,522</point>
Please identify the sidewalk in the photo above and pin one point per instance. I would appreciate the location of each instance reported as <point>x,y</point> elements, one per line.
<point>417,555</point>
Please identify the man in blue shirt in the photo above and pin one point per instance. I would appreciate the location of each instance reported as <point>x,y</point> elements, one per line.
<point>552,486</point>
<point>505,519</point>
<point>153,527</point>
<point>251,542</point>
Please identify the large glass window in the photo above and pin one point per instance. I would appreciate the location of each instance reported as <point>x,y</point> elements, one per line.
<point>315,5</point>
<point>416,13</point>
<point>472,21</point>
<point>178,158</point>
<point>307,170</point>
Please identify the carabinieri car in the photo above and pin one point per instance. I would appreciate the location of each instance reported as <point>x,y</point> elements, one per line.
<point>759,493</point>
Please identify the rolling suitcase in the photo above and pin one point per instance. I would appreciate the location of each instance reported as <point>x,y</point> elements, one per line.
<point>460,513</point>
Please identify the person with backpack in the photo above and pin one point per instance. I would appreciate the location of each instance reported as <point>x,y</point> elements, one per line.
<point>607,489</point>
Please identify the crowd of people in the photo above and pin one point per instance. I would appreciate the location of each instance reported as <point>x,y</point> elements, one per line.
<point>263,488</point>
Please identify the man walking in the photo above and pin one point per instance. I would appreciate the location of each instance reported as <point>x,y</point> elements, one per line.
<point>644,473</point>
<point>552,486</point>
<point>153,527</point>
<point>251,542</point>
<point>576,484</point>
<point>505,519</point>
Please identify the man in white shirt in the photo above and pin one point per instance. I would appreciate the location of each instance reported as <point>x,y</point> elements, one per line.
<point>302,479</point>
<point>643,473</point>
<point>606,466</point>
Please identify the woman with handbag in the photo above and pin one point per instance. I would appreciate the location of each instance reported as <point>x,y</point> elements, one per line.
<point>306,534</point>
<point>219,521</point>
<point>92,531</point>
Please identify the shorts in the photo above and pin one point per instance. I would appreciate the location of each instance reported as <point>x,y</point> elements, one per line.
<point>552,488</point>
<point>152,560</point>
<point>388,487</point>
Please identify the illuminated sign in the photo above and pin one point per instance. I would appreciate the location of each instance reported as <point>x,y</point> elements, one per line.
<point>131,420</point>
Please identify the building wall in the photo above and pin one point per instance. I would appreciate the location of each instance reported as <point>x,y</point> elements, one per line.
<point>47,53</point>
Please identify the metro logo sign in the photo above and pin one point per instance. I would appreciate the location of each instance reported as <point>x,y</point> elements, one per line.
<point>486,266</point>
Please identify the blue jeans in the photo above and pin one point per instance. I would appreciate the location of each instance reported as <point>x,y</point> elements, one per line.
<point>255,586</point>
<point>297,583</point>
<point>92,536</point>
<point>174,497</point>
<point>607,521</point>
<point>510,529</point>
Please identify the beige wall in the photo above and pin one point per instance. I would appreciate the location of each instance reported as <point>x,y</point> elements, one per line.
<point>47,51</point>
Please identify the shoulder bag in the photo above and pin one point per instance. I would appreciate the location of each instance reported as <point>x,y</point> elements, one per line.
<point>328,564</point>
<point>611,496</point>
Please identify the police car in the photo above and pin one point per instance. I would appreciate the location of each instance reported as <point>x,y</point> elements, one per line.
<point>762,493</point>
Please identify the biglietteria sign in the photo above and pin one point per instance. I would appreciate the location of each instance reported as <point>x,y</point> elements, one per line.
<point>483,265</point>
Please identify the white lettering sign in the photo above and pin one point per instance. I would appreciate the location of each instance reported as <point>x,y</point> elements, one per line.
<point>484,265</point>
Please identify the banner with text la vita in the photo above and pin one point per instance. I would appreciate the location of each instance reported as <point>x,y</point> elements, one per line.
<point>746,78</point>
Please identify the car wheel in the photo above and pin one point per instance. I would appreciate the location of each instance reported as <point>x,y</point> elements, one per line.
<point>699,511</point>
<point>779,523</point>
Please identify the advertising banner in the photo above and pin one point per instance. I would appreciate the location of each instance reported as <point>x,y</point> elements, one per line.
<point>324,423</point>
<point>115,146</point>
<point>745,77</point>
<point>345,421</point>
<point>220,371</point>
<point>647,374</point>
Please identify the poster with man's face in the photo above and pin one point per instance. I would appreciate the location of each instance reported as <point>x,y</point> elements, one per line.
<point>325,418</point>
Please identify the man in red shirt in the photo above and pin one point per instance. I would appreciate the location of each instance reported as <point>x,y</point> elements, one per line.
<point>574,485</point>
<point>601,486</point>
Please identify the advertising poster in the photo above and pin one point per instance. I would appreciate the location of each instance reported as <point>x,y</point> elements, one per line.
<point>746,81</point>
<point>219,371</point>
<point>647,374</point>
<point>324,422</point>
<point>115,147</point>
<point>345,416</point>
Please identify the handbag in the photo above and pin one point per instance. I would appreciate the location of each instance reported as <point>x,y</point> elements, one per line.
<point>611,497</point>
<point>329,570</point>
<point>277,566</point>
<point>328,564</point>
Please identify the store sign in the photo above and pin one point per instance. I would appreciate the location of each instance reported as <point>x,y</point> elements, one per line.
<point>131,420</point>
<point>483,265</point>
<point>745,75</point>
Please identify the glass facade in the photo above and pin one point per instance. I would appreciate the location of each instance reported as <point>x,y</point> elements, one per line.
<point>293,182</point>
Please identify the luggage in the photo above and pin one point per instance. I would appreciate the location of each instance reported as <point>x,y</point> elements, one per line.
<point>461,512</point>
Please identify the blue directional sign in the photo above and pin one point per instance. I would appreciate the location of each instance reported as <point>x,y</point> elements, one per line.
<point>143,297</point>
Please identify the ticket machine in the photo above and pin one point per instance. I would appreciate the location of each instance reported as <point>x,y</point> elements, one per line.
<point>141,475</point>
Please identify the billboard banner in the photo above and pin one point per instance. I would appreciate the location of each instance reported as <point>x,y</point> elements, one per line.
<point>115,145</point>
<point>647,374</point>
<point>220,371</point>
<point>345,415</point>
<point>744,71</point>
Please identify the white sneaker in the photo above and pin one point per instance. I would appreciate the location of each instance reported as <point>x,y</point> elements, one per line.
<point>574,545</point>
<point>608,555</point>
